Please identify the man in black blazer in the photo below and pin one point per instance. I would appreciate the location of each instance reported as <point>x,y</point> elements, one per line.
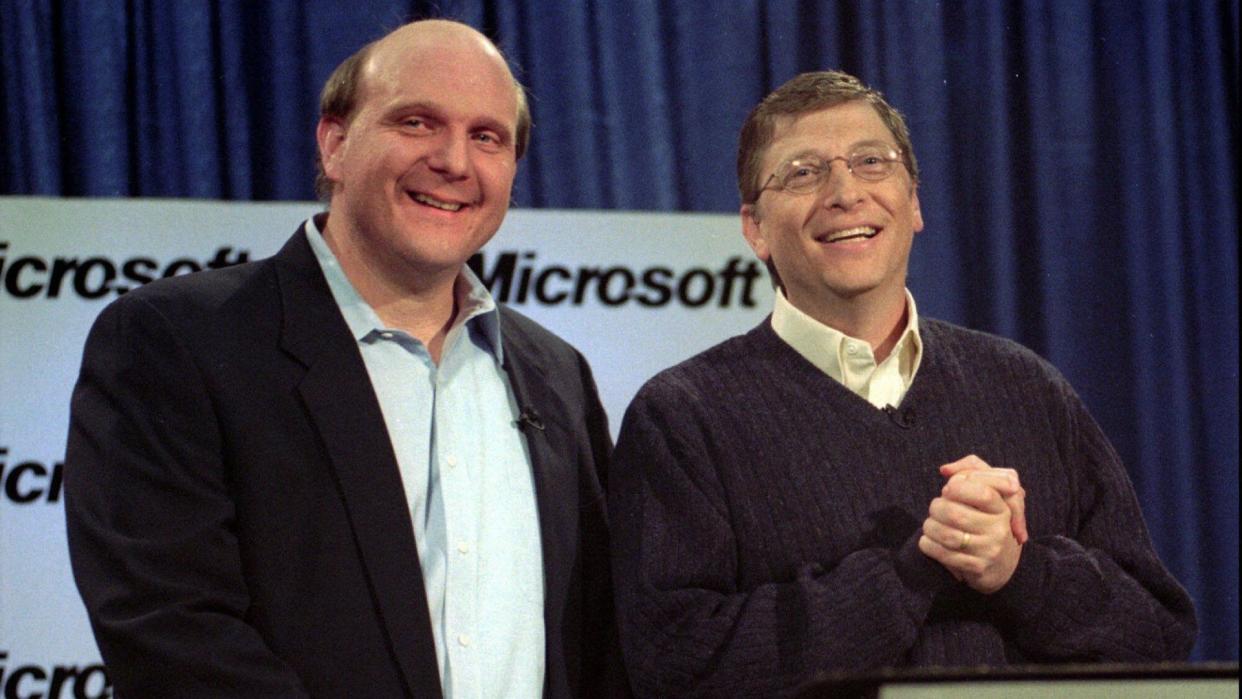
<point>245,514</point>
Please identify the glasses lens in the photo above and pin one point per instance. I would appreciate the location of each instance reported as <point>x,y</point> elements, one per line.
<point>873,164</point>
<point>802,176</point>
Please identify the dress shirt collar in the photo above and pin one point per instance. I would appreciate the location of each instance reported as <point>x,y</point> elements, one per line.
<point>473,300</point>
<point>838,355</point>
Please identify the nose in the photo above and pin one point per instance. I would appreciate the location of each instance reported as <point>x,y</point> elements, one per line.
<point>841,189</point>
<point>450,157</point>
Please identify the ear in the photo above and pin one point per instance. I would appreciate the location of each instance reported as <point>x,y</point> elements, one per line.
<point>915,210</point>
<point>753,232</point>
<point>330,135</point>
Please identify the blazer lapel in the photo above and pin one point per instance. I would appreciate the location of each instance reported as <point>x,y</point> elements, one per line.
<point>552,460</point>
<point>338,396</point>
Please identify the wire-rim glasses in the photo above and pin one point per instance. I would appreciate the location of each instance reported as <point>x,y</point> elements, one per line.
<point>872,162</point>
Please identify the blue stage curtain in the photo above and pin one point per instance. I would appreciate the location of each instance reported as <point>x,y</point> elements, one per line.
<point>1079,179</point>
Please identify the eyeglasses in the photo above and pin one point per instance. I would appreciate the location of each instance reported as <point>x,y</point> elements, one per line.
<point>872,162</point>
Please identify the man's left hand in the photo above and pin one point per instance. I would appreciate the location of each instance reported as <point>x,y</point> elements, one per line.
<point>969,530</point>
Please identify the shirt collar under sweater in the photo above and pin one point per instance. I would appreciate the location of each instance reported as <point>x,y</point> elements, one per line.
<point>848,360</point>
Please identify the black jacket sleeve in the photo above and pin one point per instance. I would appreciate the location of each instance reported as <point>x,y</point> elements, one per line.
<point>149,520</point>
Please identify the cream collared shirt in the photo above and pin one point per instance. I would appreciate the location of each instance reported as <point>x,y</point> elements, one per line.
<point>849,360</point>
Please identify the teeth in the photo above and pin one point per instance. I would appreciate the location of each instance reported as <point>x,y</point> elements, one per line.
<point>442,205</point>
<point>858,232</point>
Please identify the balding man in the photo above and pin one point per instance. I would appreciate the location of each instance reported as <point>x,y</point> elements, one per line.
<point>344,470</point>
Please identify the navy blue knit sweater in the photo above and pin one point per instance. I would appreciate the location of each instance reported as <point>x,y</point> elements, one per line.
<point>765,523</point>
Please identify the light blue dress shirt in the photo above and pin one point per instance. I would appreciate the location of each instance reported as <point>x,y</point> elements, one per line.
<point>468,482</point>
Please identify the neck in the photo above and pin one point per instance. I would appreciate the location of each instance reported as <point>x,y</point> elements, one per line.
<point>877,320</point>
<point>426,319</point>
<point>419,302</point>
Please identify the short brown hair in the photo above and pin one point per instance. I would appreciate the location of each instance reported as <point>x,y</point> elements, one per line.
<point>810,92</point>
<point>339,99</point>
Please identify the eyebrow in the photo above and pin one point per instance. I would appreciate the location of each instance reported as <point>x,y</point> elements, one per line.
<point>854,147</point>
<point>800,155</point>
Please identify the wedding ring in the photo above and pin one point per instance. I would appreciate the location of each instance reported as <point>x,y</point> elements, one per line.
<point>965,541</point>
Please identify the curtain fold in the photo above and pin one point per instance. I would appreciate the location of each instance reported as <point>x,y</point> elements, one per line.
<point>1079,181</point>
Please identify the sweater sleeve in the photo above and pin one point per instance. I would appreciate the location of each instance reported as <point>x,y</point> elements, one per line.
<point>1100,592</point>
<point>687,626</point>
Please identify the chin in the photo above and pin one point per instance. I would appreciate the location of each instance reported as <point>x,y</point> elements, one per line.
<point>852,289</point>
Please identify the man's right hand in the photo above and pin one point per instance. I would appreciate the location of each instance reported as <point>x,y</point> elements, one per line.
<point>977,526</point>
<point>1004,480</point>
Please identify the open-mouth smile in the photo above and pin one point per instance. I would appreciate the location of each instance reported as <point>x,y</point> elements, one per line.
<point>855,233</point>
<point>427,200</point>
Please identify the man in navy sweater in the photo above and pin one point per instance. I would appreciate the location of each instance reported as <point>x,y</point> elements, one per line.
<point>846,486</point>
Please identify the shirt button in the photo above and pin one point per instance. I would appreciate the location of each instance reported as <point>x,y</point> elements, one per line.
<point>450,460</point>
<point>851,349</point>
<point>463,547</point>
<point>463,640</point>
<point>386,335</point>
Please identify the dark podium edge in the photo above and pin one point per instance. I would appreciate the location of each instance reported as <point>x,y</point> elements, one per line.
<point>839,685</point>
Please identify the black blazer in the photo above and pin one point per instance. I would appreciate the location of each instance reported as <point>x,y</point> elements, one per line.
<point>236,520</point>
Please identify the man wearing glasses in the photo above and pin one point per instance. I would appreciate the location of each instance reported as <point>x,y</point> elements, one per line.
<point>839,489</point>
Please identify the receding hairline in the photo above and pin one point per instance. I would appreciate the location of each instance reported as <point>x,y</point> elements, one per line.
<point>437,35</point>
<point>350,81</point>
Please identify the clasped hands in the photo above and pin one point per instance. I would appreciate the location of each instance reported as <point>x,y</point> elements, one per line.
<point>977,526</point>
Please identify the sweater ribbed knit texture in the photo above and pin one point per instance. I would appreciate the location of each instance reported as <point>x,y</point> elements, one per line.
<point>765,523</point>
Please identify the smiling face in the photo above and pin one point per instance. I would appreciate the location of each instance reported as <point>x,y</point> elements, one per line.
<point>848,241</point>
<point>422,172</point>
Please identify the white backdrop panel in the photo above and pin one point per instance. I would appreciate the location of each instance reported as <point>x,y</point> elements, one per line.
<point>635,292</point>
